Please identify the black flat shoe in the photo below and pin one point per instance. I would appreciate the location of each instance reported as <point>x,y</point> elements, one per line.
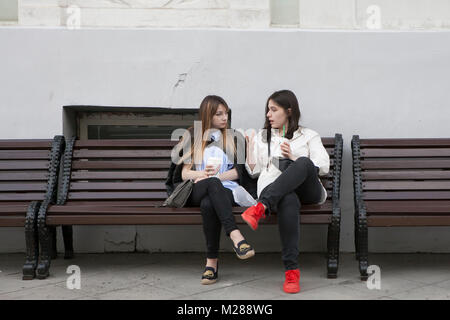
<point>210,275</point>
<point>244,250</point>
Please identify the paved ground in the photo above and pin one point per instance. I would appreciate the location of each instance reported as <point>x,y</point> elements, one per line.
<point>177,276</point>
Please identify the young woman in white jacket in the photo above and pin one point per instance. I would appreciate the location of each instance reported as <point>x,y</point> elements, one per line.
<point>287,159</point>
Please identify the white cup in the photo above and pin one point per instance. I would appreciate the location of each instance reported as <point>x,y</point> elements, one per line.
<point>283,140</point>
<point>214,161</point>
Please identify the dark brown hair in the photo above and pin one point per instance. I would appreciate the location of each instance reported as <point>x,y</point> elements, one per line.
<point>287,100</point>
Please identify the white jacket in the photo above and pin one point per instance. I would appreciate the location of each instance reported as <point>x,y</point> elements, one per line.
<point>304,143</point>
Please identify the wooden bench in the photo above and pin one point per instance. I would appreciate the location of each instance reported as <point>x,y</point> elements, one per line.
<point>28,176</point>
<point>399,182</point>
<point>119,182</point>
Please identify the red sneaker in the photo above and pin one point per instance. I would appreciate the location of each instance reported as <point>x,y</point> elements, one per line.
<point>253,214</point>
<point>292,282</point>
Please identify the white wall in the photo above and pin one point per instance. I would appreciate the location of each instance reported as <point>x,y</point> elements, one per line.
<point>376,84</point>
<point>321,14</point>
<point>148,13</point>
<point>358,14</point>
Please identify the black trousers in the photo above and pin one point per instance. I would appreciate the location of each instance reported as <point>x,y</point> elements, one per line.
<point>216,204</point>
<point>298,184</point>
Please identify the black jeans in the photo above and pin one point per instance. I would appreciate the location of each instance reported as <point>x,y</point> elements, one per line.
<point>216,204</point>
<point>299,183</point>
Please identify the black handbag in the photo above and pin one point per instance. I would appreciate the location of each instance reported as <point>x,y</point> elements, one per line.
<point>180,195</point>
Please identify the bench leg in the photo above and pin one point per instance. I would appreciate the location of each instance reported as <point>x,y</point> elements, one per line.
<point>45,239</point>
<point>333,245</point>
<point>32,242</point>
<point>68,241</point>
<point>54,251</point>
<point>356,228</point>
<point>363,247</point>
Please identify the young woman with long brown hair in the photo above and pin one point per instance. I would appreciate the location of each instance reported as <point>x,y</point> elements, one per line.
<point>214,183</point>
<point>287,159</point>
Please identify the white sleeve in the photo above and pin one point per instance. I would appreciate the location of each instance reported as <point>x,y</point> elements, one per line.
<point>319,155</point>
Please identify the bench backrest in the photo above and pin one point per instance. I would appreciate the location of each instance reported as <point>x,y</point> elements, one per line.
<point>402,169</point>
<point>28,169</point>
<point>128,172</point>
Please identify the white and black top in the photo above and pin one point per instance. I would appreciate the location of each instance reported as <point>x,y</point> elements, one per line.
<point>305,142</point>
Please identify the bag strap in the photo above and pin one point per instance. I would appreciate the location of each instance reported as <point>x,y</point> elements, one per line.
<point>268,147</point>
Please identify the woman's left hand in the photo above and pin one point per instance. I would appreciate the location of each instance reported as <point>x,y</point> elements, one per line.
<point>286,150</point>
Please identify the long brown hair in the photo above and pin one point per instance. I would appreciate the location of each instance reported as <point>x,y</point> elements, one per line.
<point>285,99</point>
<point>208,109</point>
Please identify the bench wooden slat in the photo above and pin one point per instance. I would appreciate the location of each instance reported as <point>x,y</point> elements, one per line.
<point>133,175</point>
<point>113,202</point>
<point>23,164</point>
<point>407,195</point>
<point>162,219</point>
<point>125,143</point>
<point>327,207</point>
<point>24,176</point>
<point>407,221</point>
<point>85,165</point>
<point>119,185</point>
<point>15,203</point>
<point>141,210</point>
<point>408,207</point>
<point>394,153</point>
<point>406,185</point>
<point>12,221</point>
<point>29,196</point>
<point>407,142</point>
<point>24,154</point>
<point>23,187</point>
<point>99,195</point>
<point>406,175</point>
<point>405,164</point>
<point>116,175</point>
<point>13,213</point>
<point>121,154</point>
<point>132,143</point>
<point>16,144</point>
<point>328,142</point>
<point>13,209</point>
<point>130,153</point>
<point>77,186</point>
<point>117,195</point>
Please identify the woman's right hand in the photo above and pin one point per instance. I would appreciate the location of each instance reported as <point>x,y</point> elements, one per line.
<point>212,170</point>
<point>250,140</point>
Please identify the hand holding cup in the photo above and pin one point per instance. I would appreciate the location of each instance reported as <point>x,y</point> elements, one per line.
<point>286,150</point>
<point>213,166</point>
